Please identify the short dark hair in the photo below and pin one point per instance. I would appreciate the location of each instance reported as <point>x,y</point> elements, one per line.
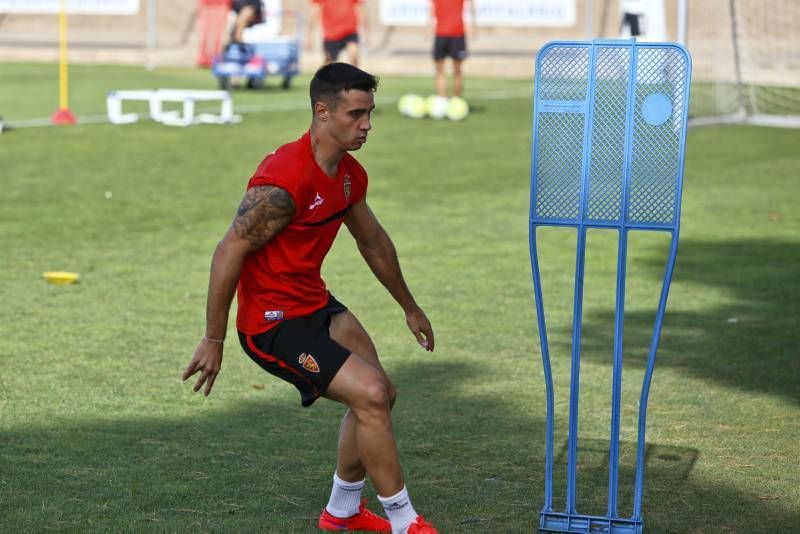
<point>333,78</point>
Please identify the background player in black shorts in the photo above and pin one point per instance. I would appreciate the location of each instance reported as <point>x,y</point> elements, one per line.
<point>447,17</point>
<point>342,23</point>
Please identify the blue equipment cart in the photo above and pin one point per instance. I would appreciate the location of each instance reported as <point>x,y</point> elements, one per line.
<point>249,64</point>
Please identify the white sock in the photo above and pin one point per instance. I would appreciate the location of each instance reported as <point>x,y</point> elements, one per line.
<point>399,511</point>
<point>345,497</point>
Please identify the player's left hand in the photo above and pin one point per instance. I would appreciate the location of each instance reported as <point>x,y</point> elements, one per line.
<point>420,326</point>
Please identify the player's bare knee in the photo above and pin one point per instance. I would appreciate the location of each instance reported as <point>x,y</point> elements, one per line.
<point>376,395</point>
<point>373,401</point>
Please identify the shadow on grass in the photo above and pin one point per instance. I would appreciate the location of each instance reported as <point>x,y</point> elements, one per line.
<point>748,341</point>
<point>668,465</point>
<point>473,462</point>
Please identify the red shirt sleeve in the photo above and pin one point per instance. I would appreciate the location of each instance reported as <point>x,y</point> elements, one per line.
<point>281,172</point>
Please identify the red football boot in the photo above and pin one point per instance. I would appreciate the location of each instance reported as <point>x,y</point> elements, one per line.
<point>420,526</point>
<point>363,520</point>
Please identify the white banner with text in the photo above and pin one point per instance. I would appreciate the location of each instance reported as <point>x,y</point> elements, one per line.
<point>73,7</point>
<point>533,13</point>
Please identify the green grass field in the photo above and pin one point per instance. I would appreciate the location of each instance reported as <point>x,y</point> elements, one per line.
<point>97,433</point>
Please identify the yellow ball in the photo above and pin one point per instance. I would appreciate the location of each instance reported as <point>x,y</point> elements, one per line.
<point>457,109</point>
<point>412,106</point>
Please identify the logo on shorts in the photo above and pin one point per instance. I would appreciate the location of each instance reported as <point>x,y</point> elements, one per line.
<point>347,187</point>
<point>308,362</point>
<point>273,315</point>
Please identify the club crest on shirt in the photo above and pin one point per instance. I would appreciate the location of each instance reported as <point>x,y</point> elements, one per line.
<point>347,187</point>
<point>308,362</point>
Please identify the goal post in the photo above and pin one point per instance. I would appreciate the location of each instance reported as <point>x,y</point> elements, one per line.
<point>746,61</point>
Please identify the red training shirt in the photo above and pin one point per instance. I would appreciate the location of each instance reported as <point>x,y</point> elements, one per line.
<point>282,279</point>
<point>449,18</point>
<point>338,18</point>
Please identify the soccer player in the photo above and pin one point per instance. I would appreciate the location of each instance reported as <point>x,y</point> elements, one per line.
<point>289,323</point>
<point>248,13</point>
<point>341,20</point>
<point>450,42</point>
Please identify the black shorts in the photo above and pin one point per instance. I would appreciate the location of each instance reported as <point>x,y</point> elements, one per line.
<point>237,6</point>
<point>300,351</point>
<point>453,47</point>
<point>633,22</point>
<point>334,48</point>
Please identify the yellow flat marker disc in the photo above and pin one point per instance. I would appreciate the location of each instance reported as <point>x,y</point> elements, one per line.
<point>60,277</point>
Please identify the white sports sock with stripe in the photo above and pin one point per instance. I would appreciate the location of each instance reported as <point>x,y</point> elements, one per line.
<point>399,511</point>
<point>345,497</point>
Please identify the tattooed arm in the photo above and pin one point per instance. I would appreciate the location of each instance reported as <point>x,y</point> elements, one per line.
<point>263,213</point>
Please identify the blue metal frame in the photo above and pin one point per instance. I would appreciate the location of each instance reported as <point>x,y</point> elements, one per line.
<point>635,173</point>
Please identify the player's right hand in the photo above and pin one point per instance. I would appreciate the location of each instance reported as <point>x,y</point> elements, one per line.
<point>207,360</point>
<point>420,326</point>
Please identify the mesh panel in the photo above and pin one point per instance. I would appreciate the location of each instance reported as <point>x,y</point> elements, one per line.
<point>612,72</point>
<point>564,74</point>
<point>563,77</point>
<point>655,165</point>
<point>652,147</point>
<point>559,167</point>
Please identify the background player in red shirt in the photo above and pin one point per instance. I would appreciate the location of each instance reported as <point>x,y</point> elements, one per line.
<point>341,21</point>
<point>447,18</point>
<point>289,323</point>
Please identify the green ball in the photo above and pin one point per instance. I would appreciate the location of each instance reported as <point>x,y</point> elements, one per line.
<point>457,109</point>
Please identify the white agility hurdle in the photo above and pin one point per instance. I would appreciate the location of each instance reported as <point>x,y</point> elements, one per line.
<point>184,117</point>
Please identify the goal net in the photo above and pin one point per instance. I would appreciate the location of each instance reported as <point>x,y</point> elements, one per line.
<point>746,61</point>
